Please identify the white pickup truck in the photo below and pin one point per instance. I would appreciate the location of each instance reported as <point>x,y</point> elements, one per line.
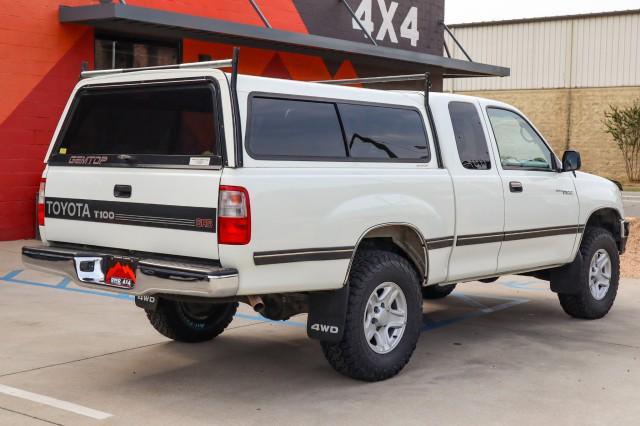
<point>195,189</point>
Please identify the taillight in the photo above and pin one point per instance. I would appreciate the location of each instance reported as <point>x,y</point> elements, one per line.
<point>234,216</point>
<point>43,182</point>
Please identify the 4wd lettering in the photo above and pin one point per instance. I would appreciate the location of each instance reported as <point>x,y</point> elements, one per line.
<point>88,160</point>
<point>325,328</point>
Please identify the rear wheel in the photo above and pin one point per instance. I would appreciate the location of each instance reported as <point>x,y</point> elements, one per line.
<point>191,322</point>
<point>437,291</point>
<point>597,279</point>
<point>383,321</point>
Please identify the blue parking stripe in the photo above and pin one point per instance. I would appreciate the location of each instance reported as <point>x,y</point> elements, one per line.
<point>11,277</point>
<point>432,325</point>
<point>262,319</point>
<point>429,323</point>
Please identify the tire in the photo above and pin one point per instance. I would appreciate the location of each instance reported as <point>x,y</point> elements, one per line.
<point>585,304</point>
<point>437,291</point>
<point>354,356</point>
<point>191,322</point>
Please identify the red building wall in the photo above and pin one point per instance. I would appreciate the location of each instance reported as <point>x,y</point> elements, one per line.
<point>40,60</point>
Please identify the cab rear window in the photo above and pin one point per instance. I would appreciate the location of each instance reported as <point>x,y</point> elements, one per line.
<point>158,124</point>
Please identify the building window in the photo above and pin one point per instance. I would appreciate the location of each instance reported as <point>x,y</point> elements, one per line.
<point>119,52</point>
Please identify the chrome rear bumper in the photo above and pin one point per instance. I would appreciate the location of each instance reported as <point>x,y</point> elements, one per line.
<point>153,275</point>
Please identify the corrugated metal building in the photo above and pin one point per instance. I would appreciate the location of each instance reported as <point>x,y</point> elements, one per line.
<point>565,73</point>
<point>594,50</point>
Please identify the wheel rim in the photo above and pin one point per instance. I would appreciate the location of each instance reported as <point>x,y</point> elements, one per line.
<point>385,317</point>
<point>600,274</point>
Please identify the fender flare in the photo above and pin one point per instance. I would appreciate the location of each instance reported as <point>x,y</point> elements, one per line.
<point>328,309</point>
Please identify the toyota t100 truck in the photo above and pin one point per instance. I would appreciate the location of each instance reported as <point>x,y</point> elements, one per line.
<point>195,189</point>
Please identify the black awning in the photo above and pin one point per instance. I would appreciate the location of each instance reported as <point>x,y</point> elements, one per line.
<point>159,23</point>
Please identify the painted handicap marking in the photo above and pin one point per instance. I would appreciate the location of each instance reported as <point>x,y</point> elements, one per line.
<point>11,277</point>
<point>267,320</point>
<point>472,301</point>
<point>526,285</point>
<point>63,284</point>
<point>476,302</point>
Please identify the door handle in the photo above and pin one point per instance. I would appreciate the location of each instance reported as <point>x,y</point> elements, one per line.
<point>122,191</point>
<point>515,186</point>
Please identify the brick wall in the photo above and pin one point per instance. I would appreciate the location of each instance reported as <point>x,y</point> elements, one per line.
<point>41,61</point>
<point>572,118</point>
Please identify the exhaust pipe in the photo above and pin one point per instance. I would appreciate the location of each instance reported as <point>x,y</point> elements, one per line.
<point>256,302</point>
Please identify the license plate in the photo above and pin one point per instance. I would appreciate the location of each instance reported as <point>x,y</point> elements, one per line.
<point>120,272</point>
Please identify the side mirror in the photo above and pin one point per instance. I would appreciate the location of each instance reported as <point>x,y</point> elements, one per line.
<point>571,161</point>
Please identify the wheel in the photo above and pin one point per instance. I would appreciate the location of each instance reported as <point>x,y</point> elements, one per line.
<point>437,291</point>
<point>598,277</point>
<point>191,322</point>
<point>384,317</point>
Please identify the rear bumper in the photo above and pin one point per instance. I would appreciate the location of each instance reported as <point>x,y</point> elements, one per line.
<point>153,275</point>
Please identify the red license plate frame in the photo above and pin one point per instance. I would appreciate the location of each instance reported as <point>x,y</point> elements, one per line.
<point>120,272</point>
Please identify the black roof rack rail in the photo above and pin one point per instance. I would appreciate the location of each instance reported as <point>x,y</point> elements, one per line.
<point>426,77</point>
<point>225,63</point>
<point>374,80</point>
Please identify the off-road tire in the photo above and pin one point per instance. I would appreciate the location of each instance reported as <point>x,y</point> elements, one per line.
<point>174,320</point>
<point>352,356</point>
<point>582,304</point>
<point>437,291</point>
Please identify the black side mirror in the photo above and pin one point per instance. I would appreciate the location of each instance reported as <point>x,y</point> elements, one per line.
<point>571,161</point>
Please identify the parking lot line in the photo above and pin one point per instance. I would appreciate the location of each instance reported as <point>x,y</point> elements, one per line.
<point>56,403</point>
<point>13,278</point>
<point>429,324</point>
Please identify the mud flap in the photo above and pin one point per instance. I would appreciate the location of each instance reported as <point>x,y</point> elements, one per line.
<point>327,314</point>
<point>567,279</point>
<point>148,303</point>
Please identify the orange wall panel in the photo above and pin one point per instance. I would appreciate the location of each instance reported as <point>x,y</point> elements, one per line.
<point>41,60</point>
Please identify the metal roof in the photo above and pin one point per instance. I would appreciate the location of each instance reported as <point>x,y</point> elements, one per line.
<point>159,23</point>
<point>546,18</point>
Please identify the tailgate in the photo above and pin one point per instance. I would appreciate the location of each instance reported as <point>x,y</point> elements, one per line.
<point>168,211</point>
<point>137,167</point>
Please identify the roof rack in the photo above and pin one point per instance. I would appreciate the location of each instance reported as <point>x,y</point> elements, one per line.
<point>373,80</point>
<point>226,63</point>
<point>426,77</point>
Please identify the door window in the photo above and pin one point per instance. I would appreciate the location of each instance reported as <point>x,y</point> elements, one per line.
<point>519,145</point>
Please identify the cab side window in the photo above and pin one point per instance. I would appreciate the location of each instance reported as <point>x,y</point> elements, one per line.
<point>519,145</point>
<point>467,128</point>
<point>295,129</point>
<point>384,133</point>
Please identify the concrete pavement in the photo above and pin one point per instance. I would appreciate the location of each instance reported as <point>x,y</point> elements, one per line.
<point>631,202</point>
<point>500,353</point>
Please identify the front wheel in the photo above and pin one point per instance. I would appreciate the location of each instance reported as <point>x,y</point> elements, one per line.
<point>598,278</point>
<point>191,322</point>
<point>383,321</point>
